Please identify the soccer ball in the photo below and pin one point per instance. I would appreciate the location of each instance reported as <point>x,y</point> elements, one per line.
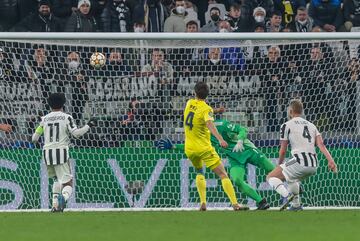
<point>97,60</point>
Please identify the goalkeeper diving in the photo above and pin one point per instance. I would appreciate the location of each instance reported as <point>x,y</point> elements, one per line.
<point>239,152</point>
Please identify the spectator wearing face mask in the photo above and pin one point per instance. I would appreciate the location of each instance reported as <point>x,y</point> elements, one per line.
<point>176,23</point>
<point>303,22</point>
<point>234,18</point>
<point>41,21</point>
<point>259,15</point>
<point>213,65</point>
<point>212,25</point>
<point>116,17</point>
<point>82,20</point>
<point>248,6</point>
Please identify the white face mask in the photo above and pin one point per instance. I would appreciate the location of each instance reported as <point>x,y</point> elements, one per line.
<point>73,64</point>
<point>180,10</point>
<point>138,30</point>
<point>215,61</point>
<point>223,30</point>
<point>259,19</point>
<point>302,22</point>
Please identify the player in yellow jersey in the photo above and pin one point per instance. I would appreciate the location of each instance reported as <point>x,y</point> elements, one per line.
<point>198,124</point>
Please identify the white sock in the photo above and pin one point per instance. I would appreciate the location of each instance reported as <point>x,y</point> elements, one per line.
<point>278,186</point>
<point>66,192</point>
<point>294,187</point>
<point>56,190</point>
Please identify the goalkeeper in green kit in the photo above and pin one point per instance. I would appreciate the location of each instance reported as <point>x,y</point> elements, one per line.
<point>240,152</point>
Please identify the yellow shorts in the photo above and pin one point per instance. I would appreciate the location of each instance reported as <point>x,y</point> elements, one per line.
<point>210,158</point>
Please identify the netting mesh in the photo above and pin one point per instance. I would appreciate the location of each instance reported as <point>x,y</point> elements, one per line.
<point>139,97</point>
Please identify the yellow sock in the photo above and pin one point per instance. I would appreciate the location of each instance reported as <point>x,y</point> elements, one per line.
<point>229,190</point>
<point>201,187</point>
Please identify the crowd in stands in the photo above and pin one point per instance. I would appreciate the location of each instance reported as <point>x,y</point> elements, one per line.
<point>323,74</point>
<point>173,15</point>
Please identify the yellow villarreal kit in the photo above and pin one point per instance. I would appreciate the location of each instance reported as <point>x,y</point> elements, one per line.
<point>197,136</point>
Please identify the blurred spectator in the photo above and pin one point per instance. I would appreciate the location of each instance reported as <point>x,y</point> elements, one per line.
<point>327,14</point>
<point>352,79</point>
<point>274,24</point>
<point>82,20</point>
<point>248,6</point>
<point>192,27</point>
<point>116,65</point>
<point>224,27</point>
<point>6,68</point>
<point>159,67</point>
<point>351,14</point>
<point>8,14</point>
<point>139,55</point>
<point>152,13</point>
<point>191,10</point>
<point>212,25</point>
<point>260,28</point>
<point>235,20</point>
<point>303,22</point>
<point>273,71</point>
<point>258,17</point>
<point>288,9</point>
<point>176,23</point>
<point>41,70</point>
<point>116,17</point>
<point>63,9</point>
<point>41,21</point>
<point>213,65</point>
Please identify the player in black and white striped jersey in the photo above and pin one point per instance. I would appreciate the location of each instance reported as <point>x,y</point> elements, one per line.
<point>57,128</point>
<point>302,136</point>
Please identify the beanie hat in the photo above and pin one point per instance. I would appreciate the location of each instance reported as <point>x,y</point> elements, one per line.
<point>259,9</point>
<point>44,2</point>
<point>81,2</point>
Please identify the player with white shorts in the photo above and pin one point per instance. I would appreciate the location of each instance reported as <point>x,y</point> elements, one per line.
<point>57,128</point>
<point>302,136</point>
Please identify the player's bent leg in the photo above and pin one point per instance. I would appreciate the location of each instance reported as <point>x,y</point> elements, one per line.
<point>228,187</point>
<point>237,174</point>
<point>265,163</point>
<point>275,178</point>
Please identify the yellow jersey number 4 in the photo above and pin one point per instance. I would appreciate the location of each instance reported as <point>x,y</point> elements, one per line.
<point>189,120</point>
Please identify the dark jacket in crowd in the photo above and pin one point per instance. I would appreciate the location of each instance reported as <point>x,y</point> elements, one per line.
<point>352,11</point>
<point>239,24</point>
<point>79,22</point>
<point>294,4</point>
<point>62,9</point>
<point>326,12</point>
<point>8,13</point>
<point>116,17</point>
<point>38,23</point>
<point>153,13</point>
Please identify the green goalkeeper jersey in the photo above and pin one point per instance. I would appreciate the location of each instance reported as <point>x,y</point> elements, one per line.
<point>231,134</point>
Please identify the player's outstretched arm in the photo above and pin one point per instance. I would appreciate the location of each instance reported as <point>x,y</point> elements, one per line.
<point>331,163</point>
<point>243,132</point>
<point>166,144</point>
<point>5,127</point>
<point>78,132</point>
<point>282,151</point>
<point>210,125</point>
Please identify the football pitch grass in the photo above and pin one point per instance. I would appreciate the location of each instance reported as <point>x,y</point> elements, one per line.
<point>327,225</point>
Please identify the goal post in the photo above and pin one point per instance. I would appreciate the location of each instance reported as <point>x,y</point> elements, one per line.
<point>139,95</point>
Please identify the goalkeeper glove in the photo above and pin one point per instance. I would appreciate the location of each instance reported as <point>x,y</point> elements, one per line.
<point>92,122</point>
<point>164,144</point>
<point>239,147</point>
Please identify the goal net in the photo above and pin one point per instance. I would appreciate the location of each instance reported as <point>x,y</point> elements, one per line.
<point>139,97</point>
